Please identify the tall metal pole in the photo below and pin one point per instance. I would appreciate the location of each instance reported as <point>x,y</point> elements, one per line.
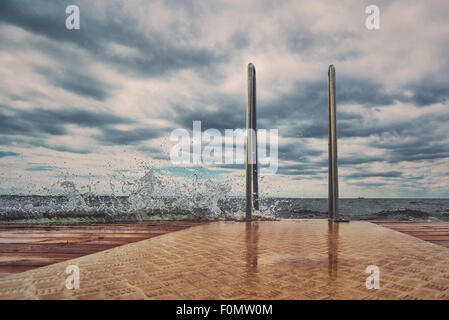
<point>333,167</point>
<point>252,187</point>
<point>254,145</point>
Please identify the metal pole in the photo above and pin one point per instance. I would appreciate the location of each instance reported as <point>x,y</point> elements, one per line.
<point>252,194</point>
<point>254,145</point>
<point>333,167</point>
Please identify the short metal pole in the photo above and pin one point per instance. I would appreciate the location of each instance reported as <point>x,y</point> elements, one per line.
<point>333,167</point>
<point>252,187</point>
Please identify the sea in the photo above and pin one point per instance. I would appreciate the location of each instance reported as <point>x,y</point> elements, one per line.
<point>158,196</point>
<point>91,208</point>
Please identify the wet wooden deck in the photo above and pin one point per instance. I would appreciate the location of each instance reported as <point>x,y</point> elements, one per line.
<point>435,232</point>
<point>24,247</point>
<point>28,246</point>
<point>287,259</point>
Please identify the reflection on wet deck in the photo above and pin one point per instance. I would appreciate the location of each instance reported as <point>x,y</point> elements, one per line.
<point>289,259</point>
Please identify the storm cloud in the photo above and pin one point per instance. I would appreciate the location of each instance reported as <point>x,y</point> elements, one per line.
<point>38,121</point>
<point>115,89</point>
<point>143,54</point>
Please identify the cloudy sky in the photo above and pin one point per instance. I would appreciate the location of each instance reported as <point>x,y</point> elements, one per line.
<point>101,102</point>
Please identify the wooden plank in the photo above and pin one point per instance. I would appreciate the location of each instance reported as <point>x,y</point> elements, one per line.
<point>28,246</point>
<point>434,232</point>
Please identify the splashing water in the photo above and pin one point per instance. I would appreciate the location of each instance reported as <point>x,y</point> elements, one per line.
<point>156,196</point>
<point>153,196</point>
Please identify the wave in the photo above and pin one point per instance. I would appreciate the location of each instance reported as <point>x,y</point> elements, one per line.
<point>154,196</point>
<point>403,214</point>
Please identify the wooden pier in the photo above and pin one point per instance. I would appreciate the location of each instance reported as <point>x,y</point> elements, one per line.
<point>287,259</point>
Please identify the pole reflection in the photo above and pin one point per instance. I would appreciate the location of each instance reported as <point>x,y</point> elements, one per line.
<point>252,243</point>
<point>332,249</point>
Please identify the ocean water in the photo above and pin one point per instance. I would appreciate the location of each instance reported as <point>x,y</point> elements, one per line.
<point>158,196</point>
<point>92,208</point>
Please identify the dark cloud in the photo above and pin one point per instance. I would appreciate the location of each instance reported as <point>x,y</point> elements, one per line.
<point>8,154</point>
<point>31,127</point>
<point>304,111</point>
<point>425,149</point>
<point>240,40</point>
<point>368,184</point>
<point>294,172</point>
<point>110,136</point>
<point>229,115</point>
<point>157,55</point>
<point>41,168</point>
<point>362,175</point>
<point>297,152</point>
<point>366,128</point>
<point>40,141</point>
<point>306,42</point>
<point>428,91</point>
<point>364,91</point>
<point>60,148</point>
<point>81,84</point>
<point>53,122</point>
<point>304,168</point>
<point>360,159</point>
